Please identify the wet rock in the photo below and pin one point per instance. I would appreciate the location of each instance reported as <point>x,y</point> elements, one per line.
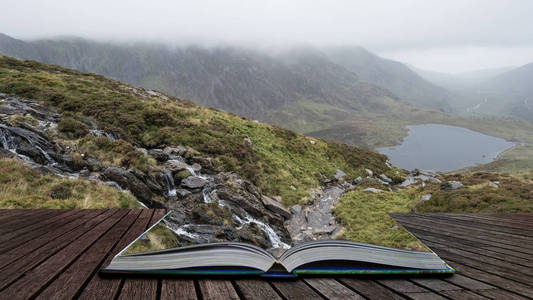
<point>274,206</point>
<point>340,174</point>
<point>182,192</point>
<point>196,167</point>
<point>193,182</point>
<point>159,155</point>
<point>451,185</point>
<point>179,176</point>
<point>128,181</point>
<point>372,190</point>
<point>176,166</point>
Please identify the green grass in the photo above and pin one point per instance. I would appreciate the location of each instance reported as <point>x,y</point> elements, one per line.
<point>277,159</point>
<point>364,217</point>
<point>517,159</point>
<point>23,187</point>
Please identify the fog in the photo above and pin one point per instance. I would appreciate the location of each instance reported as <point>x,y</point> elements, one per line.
<point>446,36</point>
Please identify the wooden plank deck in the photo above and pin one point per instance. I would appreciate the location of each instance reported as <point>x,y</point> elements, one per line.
<point>56,254</point>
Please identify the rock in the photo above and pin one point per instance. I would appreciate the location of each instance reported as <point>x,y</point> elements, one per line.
<point>388,164</point>
<point>369,172</point>
<point>248,142</point>
<point>159,155</point>
<point>292,187</point>
<point>296,209</point>
<point>275,206</point>
<point>493,185</point>
<point>193,182</point>
<point>358,180</point>
<point>179,150</point>
<point>128,181</point>
<point>340,174</point>
<point>451,185</point>
<point>394,228</point>
<point>312,142</point>
<point>278,198</point>
<point>196,167</point>
<point>372,190</point>
<point>174,166</point>
<point>182,192</point>
<point>205,162</point>
<point>425,197</point>
<point>385,178</point>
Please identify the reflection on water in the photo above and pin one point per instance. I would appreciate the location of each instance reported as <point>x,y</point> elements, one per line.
<point>444,148</point>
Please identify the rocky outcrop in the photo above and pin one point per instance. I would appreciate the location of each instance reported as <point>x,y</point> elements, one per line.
<point>127,180</point>
<point>451,185</point>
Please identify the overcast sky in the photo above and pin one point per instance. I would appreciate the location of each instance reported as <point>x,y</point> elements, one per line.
<point>444,35</point>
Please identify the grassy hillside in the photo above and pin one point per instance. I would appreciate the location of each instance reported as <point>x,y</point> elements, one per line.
<point>23,187</point>
<point>275,160</point>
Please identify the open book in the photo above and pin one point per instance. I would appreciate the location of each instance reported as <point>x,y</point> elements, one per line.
<point>157,252</point>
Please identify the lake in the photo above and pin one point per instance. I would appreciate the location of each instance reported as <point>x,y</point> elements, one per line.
<point>444,148</point>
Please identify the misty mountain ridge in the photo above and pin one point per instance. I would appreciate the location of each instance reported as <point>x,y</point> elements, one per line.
<point>239,80</point>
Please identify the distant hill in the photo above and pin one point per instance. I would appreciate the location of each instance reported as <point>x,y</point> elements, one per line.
<point>392,75</point>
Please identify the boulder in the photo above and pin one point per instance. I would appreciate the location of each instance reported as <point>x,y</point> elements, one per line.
<point>385,178</point>
<point>127,180</point>
<point>369,172</point>
<point>193,182</point>
<point>159,155</point>
<point>274,206</point>
<point>175,165</point>
<point>425,197</point>
<point>451,185</point>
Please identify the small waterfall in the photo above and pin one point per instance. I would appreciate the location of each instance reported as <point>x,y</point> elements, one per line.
<point>273,237</point>
<point>191,170</point>
<point>207,196</point>
<point>180,230</point>
<point>98,132</point>
<point>170,184</point>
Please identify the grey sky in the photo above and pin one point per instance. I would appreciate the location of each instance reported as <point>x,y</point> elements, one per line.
<point>446,35</point>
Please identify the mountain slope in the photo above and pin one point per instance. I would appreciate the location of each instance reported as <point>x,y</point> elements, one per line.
<point>391,75</point>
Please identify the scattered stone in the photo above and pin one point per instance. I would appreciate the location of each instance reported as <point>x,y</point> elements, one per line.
<point>451,185</point>
<point>312,142</point>
<point>388,164</point>
<point>493,184</point>
<point>369,172</point>
<point>394,228</point>
<point>296,209</point>
<point>179,150</point>
<point>385,178</point>
<point>248,142</point>
<point>143,151</point>
<point>193,182</point>
<point>196,167</point>
<point>425,197</point>
<point>275,206</point>
<point>292,187</point>
<point>372,190</point>
<point>174,165</point>
<point>182,192</point>
<point>340,174</point>
<point>159,155</point>
<point>358,180</point>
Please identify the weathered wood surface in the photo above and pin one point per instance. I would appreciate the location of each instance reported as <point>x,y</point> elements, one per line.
<point>57,254</point>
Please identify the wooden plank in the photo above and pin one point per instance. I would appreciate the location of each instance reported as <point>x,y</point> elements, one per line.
<point>215,289</point>
<point>256,289</point>
<point>332,289</point>
<point>464,234</point>
<point>479,225</point>
<point>294,289</point>
<point>21,221</point>
<point>409,289</point>
<point>73,278</point>
<point>45,228</point>
<point>156,216</point>
<point>474,219</point>
<point>26,230</point>
<point>484,233</point>
<point>139,289</point>
<point>500,294</point>
<point>370,289</point>
<point>105,288</point>
<point>463,294</point>
<point>483,263</point>
<point>32,245</point>
<point>495,280</point>
<point>18,268</point>
<point>33,281</point>
<point>508,250</point>
<point>468,283</point>
<point>178,289</point>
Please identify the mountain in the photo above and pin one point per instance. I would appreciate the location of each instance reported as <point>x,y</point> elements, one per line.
<point>392,75</point>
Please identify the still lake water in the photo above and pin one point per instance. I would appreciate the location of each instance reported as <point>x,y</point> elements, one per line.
<point>444,148</point>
